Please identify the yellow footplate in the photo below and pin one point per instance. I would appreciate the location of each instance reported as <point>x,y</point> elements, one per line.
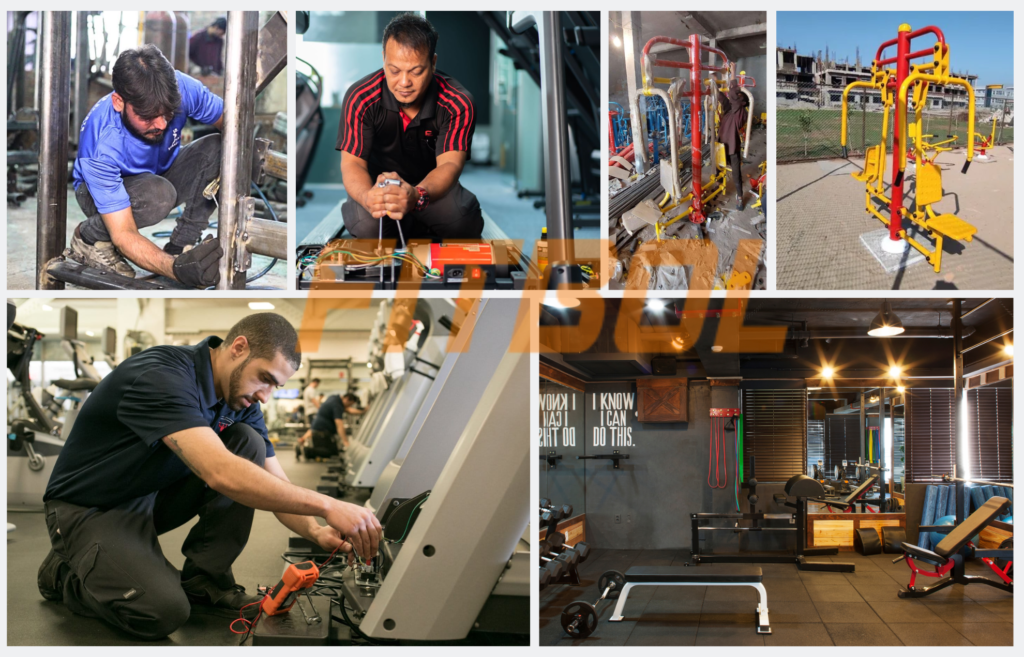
<point>950,225</point>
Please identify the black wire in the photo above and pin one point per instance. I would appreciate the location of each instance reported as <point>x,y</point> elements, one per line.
<point>355,628</point>
<point>274,215</point>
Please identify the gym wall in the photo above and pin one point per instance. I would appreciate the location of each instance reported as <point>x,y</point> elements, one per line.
<point>562,431</point>
<point>646,504</point>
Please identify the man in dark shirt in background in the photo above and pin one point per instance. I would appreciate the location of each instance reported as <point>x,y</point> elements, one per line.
<point>171,433</point>
<point>206,47</point>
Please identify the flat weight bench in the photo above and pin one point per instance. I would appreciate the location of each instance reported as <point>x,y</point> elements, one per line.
<point>683,576</point>
<point>949,563</point>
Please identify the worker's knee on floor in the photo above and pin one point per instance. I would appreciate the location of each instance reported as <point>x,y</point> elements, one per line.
<point>163,618</point>
<point>359,223</point>
<point>246,442</point>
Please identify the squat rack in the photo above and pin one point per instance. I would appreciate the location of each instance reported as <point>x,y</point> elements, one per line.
<point>254,56</point>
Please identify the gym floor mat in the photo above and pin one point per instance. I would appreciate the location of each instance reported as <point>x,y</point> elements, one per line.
<point>807,608</point>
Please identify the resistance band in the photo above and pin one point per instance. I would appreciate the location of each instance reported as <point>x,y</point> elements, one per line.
<point>739,459</point>
<point>716,451</point>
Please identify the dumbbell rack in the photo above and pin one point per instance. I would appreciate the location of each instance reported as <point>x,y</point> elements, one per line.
<point>560,561</point>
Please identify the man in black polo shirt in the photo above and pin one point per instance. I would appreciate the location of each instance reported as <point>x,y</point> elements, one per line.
<point>413,125</point>
<point>327,427</point>
<point>171,433</point>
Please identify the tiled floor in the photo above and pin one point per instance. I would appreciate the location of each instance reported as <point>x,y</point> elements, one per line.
<point>820,217</point>
<point>806,608</point>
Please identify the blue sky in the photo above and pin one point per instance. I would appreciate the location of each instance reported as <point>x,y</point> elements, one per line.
<point>980,42</point>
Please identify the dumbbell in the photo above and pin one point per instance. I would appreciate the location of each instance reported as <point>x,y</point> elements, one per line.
<point>548,551</point>
<point>579,619</point>
<point>555,569</point>
<point>545,503</point>
<point>581,549</point>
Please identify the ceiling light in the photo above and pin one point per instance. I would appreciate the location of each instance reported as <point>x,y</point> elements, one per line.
<point>90,333</point>
<point>900,389</point>
<point>813,388</point>
<point>678,343</point>
<point>717,348</point>
<point>873,400</point>
<point>1008,350</point>
<point>886,323</point>
<point>616,41</point>
<point>46,307</point>
<point>827,372</point>
<point>895,371</point>
<point>656,304</point>
<point>260,305</point>
<point>561,303</point>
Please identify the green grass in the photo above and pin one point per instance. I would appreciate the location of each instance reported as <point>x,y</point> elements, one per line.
<point>814,134</point>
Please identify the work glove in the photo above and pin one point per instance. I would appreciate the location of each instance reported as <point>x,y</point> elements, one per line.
<point>199,267</point>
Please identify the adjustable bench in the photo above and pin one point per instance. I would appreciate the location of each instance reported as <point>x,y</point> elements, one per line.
<point>946,557</point>
<point>849,502</point>
<point>683,576</point>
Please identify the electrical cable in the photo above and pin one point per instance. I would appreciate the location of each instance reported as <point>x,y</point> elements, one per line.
<point>272,214</point>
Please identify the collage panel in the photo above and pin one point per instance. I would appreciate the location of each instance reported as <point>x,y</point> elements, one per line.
<point>448,150</point>
<point>686,182</point>
<point>150,440</point>
<point>776,472</point>
<point>899,129</point>
<point>147,150</point>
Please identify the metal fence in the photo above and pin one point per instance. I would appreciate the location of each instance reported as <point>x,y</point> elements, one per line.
<point>809,120</point>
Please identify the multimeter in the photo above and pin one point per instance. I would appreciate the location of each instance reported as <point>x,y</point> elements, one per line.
<point>297,578</point>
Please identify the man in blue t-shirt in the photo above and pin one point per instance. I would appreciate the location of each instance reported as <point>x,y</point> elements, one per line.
<point>131,171</point>
<point>172,433</point>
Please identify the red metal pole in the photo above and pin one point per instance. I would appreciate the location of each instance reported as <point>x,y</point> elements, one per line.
<point>696,152</point>
<point>902,71</point>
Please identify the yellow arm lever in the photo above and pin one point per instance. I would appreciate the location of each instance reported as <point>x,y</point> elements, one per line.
<point>901,111</point>
<point>846,91</point>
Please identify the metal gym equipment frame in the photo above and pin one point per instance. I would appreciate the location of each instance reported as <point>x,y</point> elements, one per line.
<point>469,560</point>
<point>254,56</point>
<point>900,82</point>
<point>697,97</point>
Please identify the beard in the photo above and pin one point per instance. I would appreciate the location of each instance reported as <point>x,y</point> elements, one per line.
<point>235,395</point>
<point>150,137</point>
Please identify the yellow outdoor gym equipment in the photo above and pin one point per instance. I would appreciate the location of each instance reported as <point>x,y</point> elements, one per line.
<point>894,86</point>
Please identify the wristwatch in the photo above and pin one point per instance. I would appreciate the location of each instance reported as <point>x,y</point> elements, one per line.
<point>424,199</point>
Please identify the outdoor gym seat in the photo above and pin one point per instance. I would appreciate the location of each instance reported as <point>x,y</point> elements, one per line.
<point>732,575</point>
<point>874,161</point>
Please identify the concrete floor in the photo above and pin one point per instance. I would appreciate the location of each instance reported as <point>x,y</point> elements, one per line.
<point>21,247</point>
<point>33,621</point>
<point>821,216</point>
<point>726,233</point>
<point>805,608</point>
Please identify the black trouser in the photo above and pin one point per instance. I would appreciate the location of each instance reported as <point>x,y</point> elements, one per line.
<point>737,171</point>
<point>323,445</point>
<point>454,216</point>
<point>117,570</point>
<point>153,197</point>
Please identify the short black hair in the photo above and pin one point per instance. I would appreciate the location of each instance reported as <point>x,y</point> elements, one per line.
<point>221,24</point>
<point>315,381</point>
<point>412,31</point>
<point>145,80</point>
<point>268,334</point>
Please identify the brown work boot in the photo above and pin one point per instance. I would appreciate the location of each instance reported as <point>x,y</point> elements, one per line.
<point>101,255</point>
